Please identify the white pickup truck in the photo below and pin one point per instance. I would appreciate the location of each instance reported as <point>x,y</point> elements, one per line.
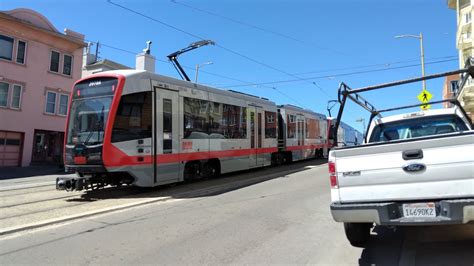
<point>413,169</point>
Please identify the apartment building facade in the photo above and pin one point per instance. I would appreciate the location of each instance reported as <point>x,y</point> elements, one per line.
<point>464,39</point>
<point>38,67</point>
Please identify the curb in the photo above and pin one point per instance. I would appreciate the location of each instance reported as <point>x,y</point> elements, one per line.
<point>193,193</point>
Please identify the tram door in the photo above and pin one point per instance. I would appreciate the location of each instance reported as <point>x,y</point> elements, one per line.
<point>256,135</point>
<point>166,134</point>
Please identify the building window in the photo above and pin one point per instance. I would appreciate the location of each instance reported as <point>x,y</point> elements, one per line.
<point>6,47</point>
<point>51,102</point>
<point>467,17</point>
<point>16,97</point>
<point>20,52</point>
<point>3,94</point>
<point>466,36</point>
<point>54,65</point>
<point>454,86</point>
<point>67,64</point>
<point>63,101</point>
<point>59,66</point>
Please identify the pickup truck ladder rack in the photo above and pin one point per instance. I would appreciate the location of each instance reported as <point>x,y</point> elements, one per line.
<point>346,92</point>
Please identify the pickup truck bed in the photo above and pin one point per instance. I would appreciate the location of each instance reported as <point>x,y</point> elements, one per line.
<point>376,172</point>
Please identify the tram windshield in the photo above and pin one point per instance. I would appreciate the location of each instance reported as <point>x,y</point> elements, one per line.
<point>89,111</point>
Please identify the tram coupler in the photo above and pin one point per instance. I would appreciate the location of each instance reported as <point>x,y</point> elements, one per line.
<point>71,183</point>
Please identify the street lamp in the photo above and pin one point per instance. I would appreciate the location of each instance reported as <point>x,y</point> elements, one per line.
<point>197,69</point>
<point>419,37</point>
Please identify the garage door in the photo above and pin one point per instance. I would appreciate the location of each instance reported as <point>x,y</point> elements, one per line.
<point>10,148</point>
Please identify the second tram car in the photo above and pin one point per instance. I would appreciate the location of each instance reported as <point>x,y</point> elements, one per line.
<point>140,128</point>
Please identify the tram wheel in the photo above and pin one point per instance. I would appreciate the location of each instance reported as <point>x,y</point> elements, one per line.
<point>192,171</point>
<point>210,169</point>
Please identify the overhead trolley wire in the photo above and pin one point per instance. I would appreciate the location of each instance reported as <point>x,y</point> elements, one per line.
<point>201,38</point>
<point>296,78</point>
<point>203,71</point>
<point>342,74</point>
<point>376,65</point>
<point>247,83</point>
<point>257,27</point>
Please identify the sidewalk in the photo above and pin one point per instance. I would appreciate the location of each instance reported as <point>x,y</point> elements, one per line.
<point>29,171</point>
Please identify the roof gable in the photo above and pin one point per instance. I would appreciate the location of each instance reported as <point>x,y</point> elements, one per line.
<point>32,17</point>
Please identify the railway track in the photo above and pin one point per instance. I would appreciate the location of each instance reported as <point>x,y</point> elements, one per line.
<point>24,202</point>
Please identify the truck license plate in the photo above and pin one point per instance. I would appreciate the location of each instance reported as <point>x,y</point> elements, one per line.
<point>419,210</point>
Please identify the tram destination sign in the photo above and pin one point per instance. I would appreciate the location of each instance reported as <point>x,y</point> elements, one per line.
<point>95,87</point>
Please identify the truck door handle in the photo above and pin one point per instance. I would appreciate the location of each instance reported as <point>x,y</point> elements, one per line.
<point>412,154</point>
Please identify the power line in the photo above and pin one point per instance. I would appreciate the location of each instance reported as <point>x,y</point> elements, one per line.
<point>375,65</point>
<point>301,73</point>
<point>342,74</point>
<point>217,45</point>
<point>257,27</point>
<point>203,71</point>
<point>310,72</point>
<point>247,83</point>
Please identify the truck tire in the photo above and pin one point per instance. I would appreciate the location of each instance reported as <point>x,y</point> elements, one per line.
<point>357,233</point>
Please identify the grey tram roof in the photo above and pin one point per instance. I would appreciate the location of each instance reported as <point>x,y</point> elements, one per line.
<point>142,74</point>
<point>297,108</point>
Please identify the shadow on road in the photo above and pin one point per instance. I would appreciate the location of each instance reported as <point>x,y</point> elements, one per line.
<point>430,245</point>
<point>383,247</point>
<point>200,188</point>
<point>30,171</point>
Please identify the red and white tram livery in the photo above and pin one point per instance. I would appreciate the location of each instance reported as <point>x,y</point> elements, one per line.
<point>140,128</point>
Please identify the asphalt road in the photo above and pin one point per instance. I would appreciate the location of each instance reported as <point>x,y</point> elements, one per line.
<point>284,220</point>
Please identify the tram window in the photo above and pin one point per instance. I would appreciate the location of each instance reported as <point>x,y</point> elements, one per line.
<point>196,118</point>
<point>291,126</point>
<point>270,125</point>
<point>234,121</point>
<point>203,119</point>
<point>167,126</point>
<point>134,117</point>
<point>312,128</point>
<point>217,125</point>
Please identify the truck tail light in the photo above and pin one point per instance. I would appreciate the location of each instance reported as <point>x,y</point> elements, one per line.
<point>332,174</point>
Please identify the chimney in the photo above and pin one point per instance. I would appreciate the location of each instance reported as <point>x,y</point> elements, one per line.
<point>87,57</point>
<point>144,60</point>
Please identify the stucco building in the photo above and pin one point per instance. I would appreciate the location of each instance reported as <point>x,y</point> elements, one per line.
<point>450,88</point>
<point>464,10</point>
<point>38,66</point>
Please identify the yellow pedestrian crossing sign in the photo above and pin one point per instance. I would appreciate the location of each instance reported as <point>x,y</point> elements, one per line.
<point>424,96</point>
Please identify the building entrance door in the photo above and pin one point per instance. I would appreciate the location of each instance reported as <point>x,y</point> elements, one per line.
<point>47,147</point>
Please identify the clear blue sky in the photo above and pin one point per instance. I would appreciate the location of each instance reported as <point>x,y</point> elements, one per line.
<point>290,39</point>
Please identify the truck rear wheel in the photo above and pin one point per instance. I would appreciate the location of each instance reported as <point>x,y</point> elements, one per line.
<point>357,233</point>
